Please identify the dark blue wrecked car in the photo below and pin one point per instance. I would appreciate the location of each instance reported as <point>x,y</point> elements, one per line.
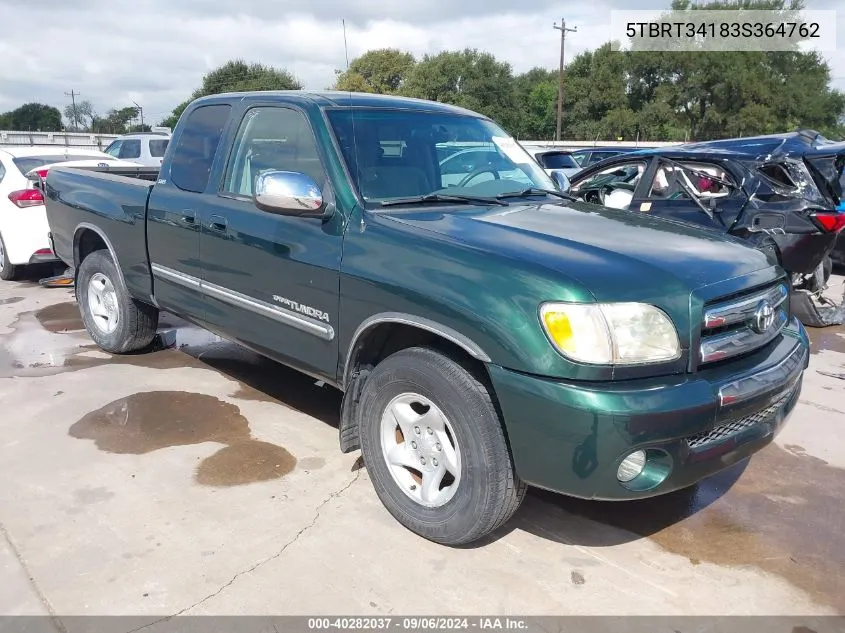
<point>782,192</point>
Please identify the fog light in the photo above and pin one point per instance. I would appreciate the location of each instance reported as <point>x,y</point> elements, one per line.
<point>631,466</point>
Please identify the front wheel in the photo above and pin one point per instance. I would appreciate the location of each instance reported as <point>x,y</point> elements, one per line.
<point>115,321</point>
<point>435,448</point>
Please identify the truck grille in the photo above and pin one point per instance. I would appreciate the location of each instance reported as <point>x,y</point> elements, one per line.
<point>734,427</point>
<point>743,324</point>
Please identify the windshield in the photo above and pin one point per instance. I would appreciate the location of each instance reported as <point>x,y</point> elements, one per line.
<point>404,153</point>
<point>27,163</point>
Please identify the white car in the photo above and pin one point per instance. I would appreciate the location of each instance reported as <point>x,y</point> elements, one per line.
<point>23,221</point>
<point>144,148</point>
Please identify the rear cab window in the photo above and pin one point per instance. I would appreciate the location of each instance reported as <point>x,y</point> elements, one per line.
<point>193,157</point>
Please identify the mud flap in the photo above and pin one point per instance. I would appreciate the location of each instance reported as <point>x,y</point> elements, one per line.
<point>349,423</point>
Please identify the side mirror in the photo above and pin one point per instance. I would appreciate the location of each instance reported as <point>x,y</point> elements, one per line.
<point>562,181</point>
<point>288,193</point>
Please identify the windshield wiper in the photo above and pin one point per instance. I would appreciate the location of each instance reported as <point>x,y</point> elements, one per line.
<point>444,197</point>
<point>536,191</point>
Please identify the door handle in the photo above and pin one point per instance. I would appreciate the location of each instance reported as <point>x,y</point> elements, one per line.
<point>189,217</point>
<point>217,223</point>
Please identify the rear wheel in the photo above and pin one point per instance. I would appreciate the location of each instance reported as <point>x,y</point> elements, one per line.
<point>435,448</point>
<point>115,321</point>
<point>7,270</point>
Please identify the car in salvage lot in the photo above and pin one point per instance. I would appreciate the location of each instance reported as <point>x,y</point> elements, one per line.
<point>143,148</point>
<point>778,192</point>
<point>554,159</point>
<point>23,220</point>
<point>586,156</point>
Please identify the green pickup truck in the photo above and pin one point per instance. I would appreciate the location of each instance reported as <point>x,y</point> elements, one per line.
<point>488,332</point>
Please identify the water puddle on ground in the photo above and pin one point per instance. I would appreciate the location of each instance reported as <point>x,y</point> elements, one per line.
<point>827,338</point>
<point>60,317</point>
<point>782,512</point>
<point>10,300</point>
<point>52,340</point>
<point>41,342</point>
<point>150,421</point>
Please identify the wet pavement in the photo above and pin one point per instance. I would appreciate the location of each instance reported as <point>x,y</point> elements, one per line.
<point>201,478</point>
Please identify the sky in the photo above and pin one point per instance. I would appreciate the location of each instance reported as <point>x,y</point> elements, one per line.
<point>155,52</point>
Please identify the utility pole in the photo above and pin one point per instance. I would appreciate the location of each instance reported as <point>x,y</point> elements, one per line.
<point>563,31</point>
<point>141,114</point>
<point>73,95</point>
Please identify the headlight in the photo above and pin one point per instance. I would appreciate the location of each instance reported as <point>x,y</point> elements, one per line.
<point>611,333</point>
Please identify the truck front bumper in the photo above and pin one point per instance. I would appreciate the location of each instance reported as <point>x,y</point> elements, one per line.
<point>570,437</point>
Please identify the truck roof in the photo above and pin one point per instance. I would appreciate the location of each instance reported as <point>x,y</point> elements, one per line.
<point>341,99</point>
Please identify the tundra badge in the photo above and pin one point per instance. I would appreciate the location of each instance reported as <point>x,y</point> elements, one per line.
<point>302,309</point>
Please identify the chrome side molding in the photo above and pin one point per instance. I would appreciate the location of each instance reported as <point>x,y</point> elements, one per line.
<point>239,300</point>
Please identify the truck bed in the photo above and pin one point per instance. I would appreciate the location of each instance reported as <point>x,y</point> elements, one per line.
<point>110,202</point>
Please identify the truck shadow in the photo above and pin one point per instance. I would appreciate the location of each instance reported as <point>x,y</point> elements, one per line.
<point>28,276</point>
<point>572,521</point>
<point>550,516</point>
<point>260,378</point>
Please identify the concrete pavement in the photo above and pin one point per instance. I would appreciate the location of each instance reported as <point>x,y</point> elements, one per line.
<point>202,479</point>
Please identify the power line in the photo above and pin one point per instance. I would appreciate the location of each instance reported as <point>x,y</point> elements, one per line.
<point>563,31</point>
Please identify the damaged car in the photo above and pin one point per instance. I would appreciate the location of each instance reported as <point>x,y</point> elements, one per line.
<point>780,192</point>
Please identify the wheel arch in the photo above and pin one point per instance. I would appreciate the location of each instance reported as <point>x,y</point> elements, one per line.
<point>365,331</point>
<point>381,335</point>
<point>88,238</point>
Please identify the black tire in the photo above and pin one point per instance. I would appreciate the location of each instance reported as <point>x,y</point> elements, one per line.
<point>8,271</point>
<point>136,321</point>
<point>489,490</point>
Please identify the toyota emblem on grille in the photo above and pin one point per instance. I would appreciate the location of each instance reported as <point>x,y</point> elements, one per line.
<point>764,316</point>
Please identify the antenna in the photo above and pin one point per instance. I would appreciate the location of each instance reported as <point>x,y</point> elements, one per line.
<point>357,174</point>
<point>345,47</point>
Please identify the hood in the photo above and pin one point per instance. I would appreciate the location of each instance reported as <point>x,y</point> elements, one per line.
<point>615,255</point>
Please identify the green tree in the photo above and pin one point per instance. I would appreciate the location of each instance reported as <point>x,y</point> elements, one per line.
<point>535,93</point>
<point>595,101</point>
<point>116,121</point>
<point>381,71</point>
<point>237,76</point>
<point>36,117</point>
<point>701,95</point>
<point>80,116</point>
<point>468,78</point>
